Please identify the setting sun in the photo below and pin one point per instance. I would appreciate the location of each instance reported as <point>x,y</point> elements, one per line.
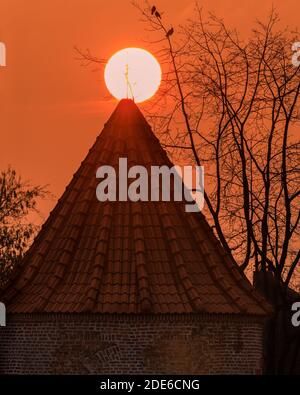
<point>132,73</point>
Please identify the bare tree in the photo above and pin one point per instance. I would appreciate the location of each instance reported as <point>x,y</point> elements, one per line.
<point>17,200</point>
<point>233,107</point>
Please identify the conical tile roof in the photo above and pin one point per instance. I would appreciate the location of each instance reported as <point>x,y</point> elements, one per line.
<point>126,257</point>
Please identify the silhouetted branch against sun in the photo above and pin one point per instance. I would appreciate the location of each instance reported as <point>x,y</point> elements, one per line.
<point>245,91</point>
<point>228,100</point>
<point>87,59</point>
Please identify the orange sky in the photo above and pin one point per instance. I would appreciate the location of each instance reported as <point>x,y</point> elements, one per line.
<point>51,109</point>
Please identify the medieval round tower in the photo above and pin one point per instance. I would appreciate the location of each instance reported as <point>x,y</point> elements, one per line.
<point>129,287</point>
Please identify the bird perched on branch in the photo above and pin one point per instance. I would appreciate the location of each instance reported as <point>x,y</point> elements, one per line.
<point>157,14</point>
<point>170,32</point>
<point>153,10</point>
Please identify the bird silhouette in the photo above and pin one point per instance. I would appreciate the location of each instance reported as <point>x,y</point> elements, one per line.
<point>157,14</point>
<point>170,32</point>
<point>153,10</point>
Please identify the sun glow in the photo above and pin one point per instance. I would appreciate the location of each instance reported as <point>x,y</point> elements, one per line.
<point>132,73</point>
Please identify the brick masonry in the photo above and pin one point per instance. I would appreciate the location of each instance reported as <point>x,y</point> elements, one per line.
<point>129,344</point>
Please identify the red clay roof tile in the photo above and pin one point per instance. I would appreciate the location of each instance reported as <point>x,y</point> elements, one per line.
<point>125,257</point>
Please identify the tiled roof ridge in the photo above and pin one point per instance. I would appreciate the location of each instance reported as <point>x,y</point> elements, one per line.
<point>212,268</point>
<point>126,257</point>
<point>45,227</point>
<point>234,269</point>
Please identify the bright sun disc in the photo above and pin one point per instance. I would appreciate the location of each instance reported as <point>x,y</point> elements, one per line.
<point>132,73</point>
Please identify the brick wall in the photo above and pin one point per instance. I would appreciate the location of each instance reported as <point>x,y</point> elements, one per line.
<point>91,344</point>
